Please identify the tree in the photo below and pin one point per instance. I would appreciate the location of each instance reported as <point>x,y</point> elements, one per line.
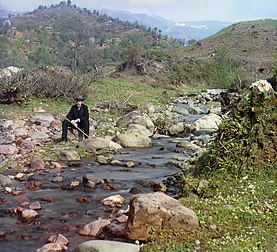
<point>40,55</point>
<point>68,3</point>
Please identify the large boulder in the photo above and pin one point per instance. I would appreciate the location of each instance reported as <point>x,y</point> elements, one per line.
<point>142,129</point>
<point>208,122</point>
<point>107,246</point>
<point>98,143</point>
<point>136,117</point>
<point>154,211</point>
<point>133,139</point>
<point>176,128</point>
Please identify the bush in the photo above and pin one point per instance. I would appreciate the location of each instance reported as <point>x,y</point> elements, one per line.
<point>225,70</point>
<point>246,140</point>
<point>46,82</point>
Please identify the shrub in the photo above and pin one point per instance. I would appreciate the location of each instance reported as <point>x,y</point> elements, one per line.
<point>46,82</point>
<point>225,70</point>
<point>245,140</point>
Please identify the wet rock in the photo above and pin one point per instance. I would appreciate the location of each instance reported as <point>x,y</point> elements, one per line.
<point>56,165</point>
<point>5,181</point>
<point>110,187</point>
<point>57,178</point>
<point>142,130</point>
<point>90,184</point>
<point>176,128</point>
<point>2,234</point>
<point>102,160</point>
<point>113,200</point>
<point>16,193</point>
<point>94,228</point>
<point>59,239</point>
<point>28,215</point>
<point>180,110</point>
<point>195,110</point>
<point>123,211</point>
<point>159,187</point>
<point>19,175</point>
<point>74,183</point>
<point>136,117</point>
<point>91,177</point>
<point>153,210</point>
<point>133,139</point>
<point>8,189</point>
<point>37,163</point>
<point>188,145</point>
<point>33,185</point>
<point>24,204</point>
<point>117,163</point>
<point>107,246</point>
<point>50,247</point>
<point>69,155</point>
<point>114,230</point>
<point>98,143</point>
<point>122,219</point>
<point>135,190</point>
<point>48,200</point>
<point>84,199</point>
<point>8,149</point>
<point>210,121</point>
<point>35,205</point>
<point>2,200</point>
<point>179,158</point>
<point>130,164</point>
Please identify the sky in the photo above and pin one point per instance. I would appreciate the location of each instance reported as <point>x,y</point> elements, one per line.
<point>175,10</point>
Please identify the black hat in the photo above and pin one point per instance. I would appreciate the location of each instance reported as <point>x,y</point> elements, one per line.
<point>79,98</point>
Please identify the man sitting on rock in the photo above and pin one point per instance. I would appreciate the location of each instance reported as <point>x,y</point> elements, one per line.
<point>77,118</point>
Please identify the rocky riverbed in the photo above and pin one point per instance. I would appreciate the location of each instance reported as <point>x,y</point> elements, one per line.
<point>57,203</point>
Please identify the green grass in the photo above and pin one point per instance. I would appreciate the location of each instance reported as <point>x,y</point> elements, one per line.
<point>134,91</point>
<point>250,224</point>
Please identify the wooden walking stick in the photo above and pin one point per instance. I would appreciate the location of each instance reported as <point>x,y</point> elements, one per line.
<point>77,127</point>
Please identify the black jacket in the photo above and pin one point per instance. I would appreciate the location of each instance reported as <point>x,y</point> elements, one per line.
<point>82,114</point>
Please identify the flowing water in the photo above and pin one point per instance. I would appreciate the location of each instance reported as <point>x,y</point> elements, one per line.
<point>62,213</point>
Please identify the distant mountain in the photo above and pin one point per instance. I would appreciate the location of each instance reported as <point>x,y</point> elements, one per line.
<point>188,30</point>
<point>5,13</point>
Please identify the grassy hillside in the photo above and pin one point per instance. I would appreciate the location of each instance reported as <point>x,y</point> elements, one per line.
<point>237,55</point>
<point>89,43</point>
<point>253,44</point>
<point>65,35</point>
